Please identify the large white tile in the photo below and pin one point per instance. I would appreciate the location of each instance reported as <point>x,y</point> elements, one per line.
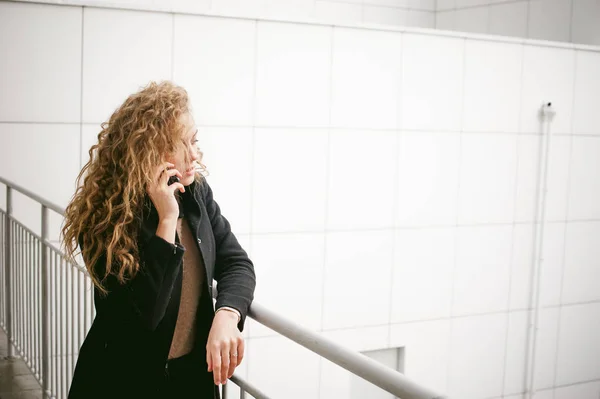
<point>432,80</point>
<point>530,157</point>
<point>294,64</point>
<point>472,20</point>
<point>584,22</point>
<point>508,19</point>
<point>584,184</point>
<point>273,264</point>
<point>445,20</point>
<point>289,9</point>
<point>421,19</point>
<point>551,268</point>
<point>267,357</point>
<point>360,339</point>
<point>550,20</point>
<point>590,390</point>
<point>482,272</point>
<point>422,281</point>
<point>587,92</point>
<point>289,180</point>
<point>239,8</point>
<point>428,5</point>
<point>492,86</point>
<point>385,15</point>
<point>119,61</point>
<point>558,178</point>
<point>528,168</point>
<point>361,179</point>
<point>230,171</point>
<point>338,13</point>
<point>477,347</point>
<point>581,281</point>
<point>516,352</point>
<point>521,266</point>
<point>365,78</point>
<point>487,178</point>
<point>213,60</point>
<point>27,158</point>
<point>389,3</point>
<point>40,66</point>
<point>428,166</point>
<point>427,352</point>
<point>445,5</point>
<point>542,394</point>
<point>471,3</point>
<point>351,299</point>
<point>548,75</point>
<point>545,353</point>
<point>578,356</point>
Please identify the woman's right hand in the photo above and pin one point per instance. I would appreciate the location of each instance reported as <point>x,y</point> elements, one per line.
<point>163,195</point>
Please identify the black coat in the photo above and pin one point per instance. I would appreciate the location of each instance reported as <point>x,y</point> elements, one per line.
<point>125,352</point>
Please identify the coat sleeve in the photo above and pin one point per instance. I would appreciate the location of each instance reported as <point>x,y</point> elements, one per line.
<point>146,296</point>
<point>234,271</point>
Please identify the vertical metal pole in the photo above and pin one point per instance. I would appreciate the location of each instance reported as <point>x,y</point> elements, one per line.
<point>224,390</point>
<point>7,261</point>
<point>242,393</point>
<point>45,307</point>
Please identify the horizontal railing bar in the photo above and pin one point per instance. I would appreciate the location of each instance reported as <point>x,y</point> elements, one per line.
<point>376,373</point>
<point>33,196</point>
<point>246,386</point>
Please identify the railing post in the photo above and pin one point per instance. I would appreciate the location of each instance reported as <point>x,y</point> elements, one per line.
<point>7,263</point>
<point>45,308</point>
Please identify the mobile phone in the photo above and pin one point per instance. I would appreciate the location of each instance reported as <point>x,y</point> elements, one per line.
<point>173,179</point>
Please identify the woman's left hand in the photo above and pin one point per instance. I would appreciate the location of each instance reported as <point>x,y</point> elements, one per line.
<point>225,346</point>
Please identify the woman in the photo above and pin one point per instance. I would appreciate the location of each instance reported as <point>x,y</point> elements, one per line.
<point>152,250</point>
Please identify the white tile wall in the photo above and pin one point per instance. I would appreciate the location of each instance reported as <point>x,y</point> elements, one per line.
<point>430,196</point>
<point>432,81</point>
<point>293,75</point>
<point>516,352</point>
<point>473,20</point>
<point>528,169</point>
<point>385,15</point>
<point>213,59</point>
<point>266,358</point>
<point>351,288</point>
<point>493,87</point>
<point>521,266</point>
<point>548,76</point>
<point>230,171</point>
<point>421,19</point>
<point>550,20</point>
<point>587,93</point>
<point>361,338</point>
<point>508,19</point>
<point>590,390</point>
<point>334,12</point>
<point>552,265</point>
<point>366,66</point>
<point>546,342</point>
<point>578,356</point>
<point>297,258</point>
<point>40,66</point>
<point>290,178</point>
<point>584,22</point>
<point>581,278</point>
<point>427,351</point>
<point>120,60</point>
<point>477,345</point>
<point>482,273</point>
<point>584,184</point>
<point>423,270</point>
<point>559,168</point>
<point>487,178</point>
<point>362,166</point>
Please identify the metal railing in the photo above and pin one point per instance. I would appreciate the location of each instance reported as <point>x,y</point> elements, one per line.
<point>46,309</point>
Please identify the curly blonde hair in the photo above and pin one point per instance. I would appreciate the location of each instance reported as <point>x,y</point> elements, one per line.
<point>105,212</point>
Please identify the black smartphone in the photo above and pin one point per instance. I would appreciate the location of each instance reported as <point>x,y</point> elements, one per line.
<point>173,179</point>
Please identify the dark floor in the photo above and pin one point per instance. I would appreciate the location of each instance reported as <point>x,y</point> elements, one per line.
<point>16,381</point>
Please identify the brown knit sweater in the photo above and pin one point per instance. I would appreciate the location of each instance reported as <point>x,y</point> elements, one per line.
<point>191,290</point>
